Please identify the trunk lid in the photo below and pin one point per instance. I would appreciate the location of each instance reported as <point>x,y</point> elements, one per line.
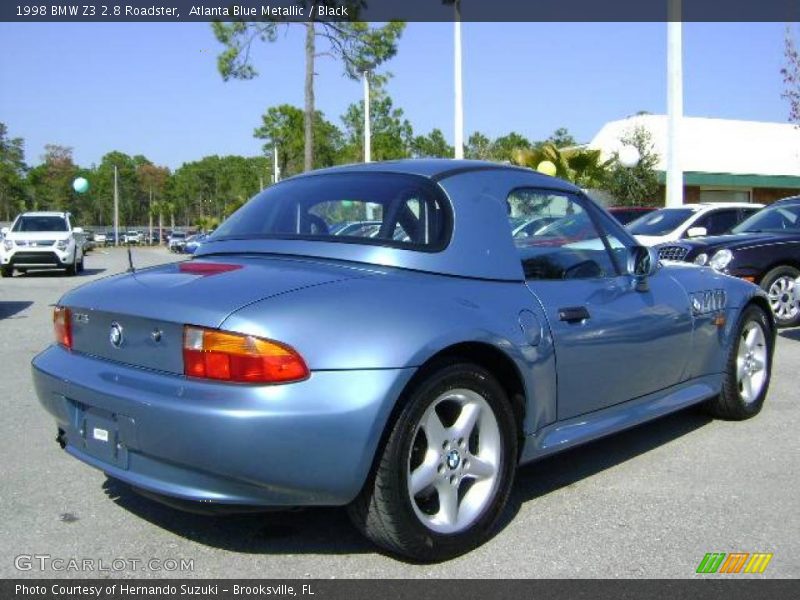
<point>148,308</point>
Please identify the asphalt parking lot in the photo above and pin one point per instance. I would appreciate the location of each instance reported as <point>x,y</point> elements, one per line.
<point>647,503</point>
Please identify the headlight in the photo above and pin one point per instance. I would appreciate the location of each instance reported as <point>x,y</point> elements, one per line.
<point>721,259</point>
<point>8,244</point>
<point>701,259</point>
<point>62,244</point>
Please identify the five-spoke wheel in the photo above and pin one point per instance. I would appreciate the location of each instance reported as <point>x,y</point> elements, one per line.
<point>453,462</point>
<point>747,371</point>
<point>446,469</point>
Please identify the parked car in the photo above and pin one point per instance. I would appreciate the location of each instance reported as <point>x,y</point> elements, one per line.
<point>193,242</point>
<point>356,228</point>
<point>526,227</point>
<point>111,238</point>
<point>764,249</point>
<point>690,220</point>
<point>88,242</point>
<point>626,214</point>
<point>100,238</point>
<point>42,240</point>
<point>406,379</point>
<point>132,237</point>
<point>176,241</point>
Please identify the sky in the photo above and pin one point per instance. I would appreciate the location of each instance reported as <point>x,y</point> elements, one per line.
<point>154,89</point>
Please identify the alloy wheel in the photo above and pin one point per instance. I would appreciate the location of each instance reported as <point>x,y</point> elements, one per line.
<point>751,361</point>
<point>781,298</point>
<point>454,463</point>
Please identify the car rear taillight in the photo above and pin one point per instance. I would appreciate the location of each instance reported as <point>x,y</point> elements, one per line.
<point>225,356</point>
<point>62,326</point>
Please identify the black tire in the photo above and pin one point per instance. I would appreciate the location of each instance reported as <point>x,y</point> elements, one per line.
<point>383,511</point>
<point>80,266</point>
<point>6,271</point>
<point>779,305</point>
<point>72,269</point>
<point>731,403</point>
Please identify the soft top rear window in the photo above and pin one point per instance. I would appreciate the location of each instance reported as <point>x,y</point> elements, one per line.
<point>387,209</point>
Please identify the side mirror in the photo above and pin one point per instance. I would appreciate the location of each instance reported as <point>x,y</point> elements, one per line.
<point>642,264</point>
<point>77,230</point>
<point>696,232</point>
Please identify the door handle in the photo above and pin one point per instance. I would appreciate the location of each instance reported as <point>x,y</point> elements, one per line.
<point>573,314</point>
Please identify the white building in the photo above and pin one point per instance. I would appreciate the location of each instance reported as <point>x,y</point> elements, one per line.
<point>722,160</point>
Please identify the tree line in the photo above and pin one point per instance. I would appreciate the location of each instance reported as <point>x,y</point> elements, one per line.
<point>207,190</point>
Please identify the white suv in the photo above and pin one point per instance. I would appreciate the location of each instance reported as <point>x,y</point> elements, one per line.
<point>41,240</point>
<point>690,220</point>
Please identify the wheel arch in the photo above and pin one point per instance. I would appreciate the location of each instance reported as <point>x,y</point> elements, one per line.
<point>500,364</point>
<point>761,300</point>
<point>783,262</point>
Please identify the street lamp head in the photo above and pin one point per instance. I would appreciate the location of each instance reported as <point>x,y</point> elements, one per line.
<point>628,156</point>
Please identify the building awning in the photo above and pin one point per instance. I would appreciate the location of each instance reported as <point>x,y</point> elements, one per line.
<point>736,180</point>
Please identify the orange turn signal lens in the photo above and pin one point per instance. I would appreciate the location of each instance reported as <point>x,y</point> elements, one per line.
<point>62,326</point>
<point>225,356</point>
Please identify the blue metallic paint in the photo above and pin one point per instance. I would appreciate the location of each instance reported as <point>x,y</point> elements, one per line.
<point>201,440</point>
<point>642,354</point>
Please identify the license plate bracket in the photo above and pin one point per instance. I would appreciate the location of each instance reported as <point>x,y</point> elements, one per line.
<point>101,439</point>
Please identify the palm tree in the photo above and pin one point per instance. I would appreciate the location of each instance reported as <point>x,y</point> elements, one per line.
<point>582,166</point>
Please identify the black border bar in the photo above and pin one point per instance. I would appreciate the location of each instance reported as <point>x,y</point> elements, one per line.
<point>403,10</point>
<point>701,587</point>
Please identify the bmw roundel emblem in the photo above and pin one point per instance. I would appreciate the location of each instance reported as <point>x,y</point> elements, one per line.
<point>453,459</point>
<point>115,336</point>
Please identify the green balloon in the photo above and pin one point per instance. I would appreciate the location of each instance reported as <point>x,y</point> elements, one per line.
<point>80,185</point>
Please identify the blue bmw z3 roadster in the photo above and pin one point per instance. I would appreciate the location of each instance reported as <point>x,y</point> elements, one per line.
<point>403,369</point>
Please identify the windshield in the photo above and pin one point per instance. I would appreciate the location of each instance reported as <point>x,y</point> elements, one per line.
<point>388,209</point>
<point>775,219</point>
<point>660,222</point>
<point>33,224</point>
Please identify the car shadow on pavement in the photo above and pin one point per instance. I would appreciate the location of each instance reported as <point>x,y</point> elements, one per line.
<point>58,273</point>
<point>790,334</point>
<point>9,309</point>
<point>571,466</point>
<point>329,531</point>
<point>307,531</point>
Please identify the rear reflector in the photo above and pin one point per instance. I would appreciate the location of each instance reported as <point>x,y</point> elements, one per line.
<point>62,326</point>
<point>225,356</point>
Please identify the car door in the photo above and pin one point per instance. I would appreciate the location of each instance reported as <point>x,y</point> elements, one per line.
<point>612,342</point>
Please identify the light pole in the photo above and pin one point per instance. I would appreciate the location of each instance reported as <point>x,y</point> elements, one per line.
<point>674,182</point>
<point>116,208</point>
<point>459,92</point>
<point>276,171</point>
<point>367,128</point>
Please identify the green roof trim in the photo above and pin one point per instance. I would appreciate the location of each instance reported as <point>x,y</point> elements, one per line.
<point>732,180</point>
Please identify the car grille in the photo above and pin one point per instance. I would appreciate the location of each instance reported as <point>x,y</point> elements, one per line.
<point>676,253</point>
<point>35,258</point>
<point>35,243</point>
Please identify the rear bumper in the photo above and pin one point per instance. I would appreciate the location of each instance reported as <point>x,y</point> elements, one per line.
<point>309,443</point>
